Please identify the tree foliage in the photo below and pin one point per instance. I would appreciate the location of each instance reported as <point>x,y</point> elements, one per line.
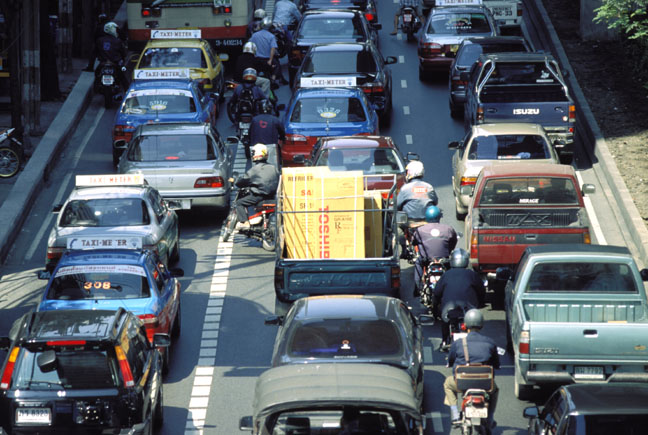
<point>629,16</point>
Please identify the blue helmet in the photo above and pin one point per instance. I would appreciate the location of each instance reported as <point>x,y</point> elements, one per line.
<point>433,214</point>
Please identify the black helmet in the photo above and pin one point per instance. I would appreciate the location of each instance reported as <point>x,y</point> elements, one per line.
<point>459,258</point>
<point>265,106</point>
<point>474,319</point>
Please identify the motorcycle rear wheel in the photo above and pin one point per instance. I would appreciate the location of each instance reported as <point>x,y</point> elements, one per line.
<point>107,98</point>
<point>230,224</point>
<point>10,160</point>
<point>269,238</point>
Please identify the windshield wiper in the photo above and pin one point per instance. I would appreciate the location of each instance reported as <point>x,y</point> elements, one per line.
<point>45,383</point>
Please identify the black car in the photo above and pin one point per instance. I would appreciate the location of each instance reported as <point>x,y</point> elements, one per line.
<point>322,26</point>
<point>360,61</point>
<point>467,55</point>
<point>81,371</point>
<point>592,409</point>
<point>367,7</point>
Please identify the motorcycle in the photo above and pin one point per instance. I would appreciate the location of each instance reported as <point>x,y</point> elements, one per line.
<point>241,116</point>
<point>475,381</point>
<point>262,222</point>
<point>456,327</point>
<point>410,22</point>
<point>11,154</point>
<point>107,82</point>
<point>432,272</point>
<point>282,39</point>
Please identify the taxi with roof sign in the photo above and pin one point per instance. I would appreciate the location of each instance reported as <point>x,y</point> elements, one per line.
<point>159,101</point>
<point>177,49</point>
<point>117,206</point>
<point>315,112</point>
<point>106,273</point>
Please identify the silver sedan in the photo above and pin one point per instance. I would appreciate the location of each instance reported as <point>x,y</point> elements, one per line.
<point>187,163</point>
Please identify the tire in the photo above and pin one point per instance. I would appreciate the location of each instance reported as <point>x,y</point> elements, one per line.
<point>116,157</point>
<point>455,112</point>
<point>422,75</point>
<point>230,224</point>
<point>107,98</point>
<point>281,308</point>
<point>521,391</point>
<point>385,118</point>
<point>269,236</point>
<point>10,161</point>
<point>158,414</point>
<point>248,152</point>
<point>230,113</point>
<point>174,258</point>
<point>166,359</point>
<point>459,216</point>
<point>177,324</point>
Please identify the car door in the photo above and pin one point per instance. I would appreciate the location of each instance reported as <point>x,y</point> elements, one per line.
<point>163,287</point>
<point>225,159</point>
<point>206,104</point>
<point>412,328</point>
<point>167,221</point>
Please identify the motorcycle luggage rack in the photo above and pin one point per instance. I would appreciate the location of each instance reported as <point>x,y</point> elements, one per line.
<point>474,376</point>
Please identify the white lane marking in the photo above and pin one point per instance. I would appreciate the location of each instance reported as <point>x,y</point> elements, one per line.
<point>437,421</point>
<point>408,139</point>
<point>596,226</point>
<point>403,84</point>
<point>399,36</point>
<point>428,357</point>
<point>406,110</point>
<point>401,59</point>
<point>59,195</point>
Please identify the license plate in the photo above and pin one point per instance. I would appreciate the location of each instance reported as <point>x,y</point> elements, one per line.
<point>407,18</point>
<point>502,11</point>
<point>589,372</point>
<point>34,415</point>
<point>244,125</point>
<point>458,335</point>
<point>107,80</point>
<point>472,412</point>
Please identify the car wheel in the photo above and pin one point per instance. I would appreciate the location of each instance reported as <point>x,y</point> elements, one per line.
<point>116,156</point>
<point>166,360</point>
<point>460,216</point>
<point>522,391</point>
<point>175,253</point>
<point>281,308</point>
<point>422,75</point>
<point>455,112</point>
<point>158,416</point>
<point>177,323</point>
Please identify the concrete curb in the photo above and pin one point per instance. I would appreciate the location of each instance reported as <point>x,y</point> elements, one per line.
<point>632,225</point>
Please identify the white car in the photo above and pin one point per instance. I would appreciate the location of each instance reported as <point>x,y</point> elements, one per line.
<point>505,142</point>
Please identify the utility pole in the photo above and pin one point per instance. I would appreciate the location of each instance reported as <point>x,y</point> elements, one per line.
<point>65,32</point>
<point>11,11</point>
<point>30,42</point>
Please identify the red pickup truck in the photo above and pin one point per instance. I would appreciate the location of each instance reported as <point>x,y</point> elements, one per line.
<point>516,206</point>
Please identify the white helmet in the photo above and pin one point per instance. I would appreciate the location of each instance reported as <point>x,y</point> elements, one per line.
<point>110,28</point>
<point>414,169</point>
<point>250,47</point>
<point>259,152</point>
<point>259,14</point>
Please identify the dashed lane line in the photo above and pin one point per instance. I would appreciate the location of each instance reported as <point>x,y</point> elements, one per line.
<point>437,421</point>
<point>404,84</point>
<point>401,59</point>
<point>408,139</point>
<point>406,110</point>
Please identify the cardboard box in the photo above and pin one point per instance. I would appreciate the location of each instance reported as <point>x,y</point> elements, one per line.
<point>373,224</point>
<point>319,220</point>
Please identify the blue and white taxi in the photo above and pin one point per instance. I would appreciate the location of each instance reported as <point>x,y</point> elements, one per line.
<point>117,206</point>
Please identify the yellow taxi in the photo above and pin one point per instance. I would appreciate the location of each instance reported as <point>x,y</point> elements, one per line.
<point>173,49</point>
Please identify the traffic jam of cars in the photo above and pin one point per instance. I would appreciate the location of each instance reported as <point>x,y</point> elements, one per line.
<point>348,355</point>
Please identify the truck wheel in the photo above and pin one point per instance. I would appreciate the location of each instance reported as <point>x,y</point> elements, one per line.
<point>522,391</point>
<point>455,112</point>
<point>422,76</point>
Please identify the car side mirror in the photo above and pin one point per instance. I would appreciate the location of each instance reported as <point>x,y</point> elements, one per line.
<point>223,57</point>
<point>44,274</point>
<point>57,208</point>
<point>274,320</point>
<point>464,76</point>
<point>376,26</point>
<point>390,60</point>
<point>453,145</point>
<point>412,156</point>
<point>401,218</point>
<point>214,96</point>
<point>503,273</point>
<point>426,319</point>
<point>5,342</point>
<point>246,423</point>
<point>176,272</point>
<point>161,340</point>
<point>299,158</point>
<point>644,274</point>
<point>232,140</point>
<point>588,189</point>
<point>531,412</point>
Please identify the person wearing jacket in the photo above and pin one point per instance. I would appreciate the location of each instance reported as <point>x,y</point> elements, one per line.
<point>246,60</point>
<point>110,48</point>
<point>262,180</point>
<point>266,128</point>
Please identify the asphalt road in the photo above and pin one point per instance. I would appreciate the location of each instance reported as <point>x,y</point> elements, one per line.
<point>228,289</point>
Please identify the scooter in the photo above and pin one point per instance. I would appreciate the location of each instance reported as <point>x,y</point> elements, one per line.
<point>107,83</point>
<point>410,22</point>
<point>11,154</point>
<point>262,222</point>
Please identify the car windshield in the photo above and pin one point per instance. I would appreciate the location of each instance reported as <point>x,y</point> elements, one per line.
<point>529,190</point>
<point>331,110</point>
<point>627,424</point>
<point>368,160</point>
<point>585,276</point>
<point>508,146</point>
<point>161,148</point>
<point>470,52</point>
<point>340,62</point>
<point>105,212</point>
<point>159,101</point>
<point>173,57</point>
<point>96,281</point>
<point>521,73</point>
<point>324,421</point>
<point>344,339</point>
<point>77,369</point>
<point>458,23</point>
<point>328,28</point>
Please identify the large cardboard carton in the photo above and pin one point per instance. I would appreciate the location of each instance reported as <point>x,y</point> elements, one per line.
<point>373,224</point>
<point>320,218</point>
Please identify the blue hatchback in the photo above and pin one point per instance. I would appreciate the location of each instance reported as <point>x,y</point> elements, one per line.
<point>316,112</point>
<point>161,101</point>
<point>107,279</point>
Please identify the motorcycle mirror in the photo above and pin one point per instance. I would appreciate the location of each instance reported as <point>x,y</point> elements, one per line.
<point>44,274</point>
<point>390,60</point>
<point>232,140</point>
<point>412,156</point>
<point>223,57</point>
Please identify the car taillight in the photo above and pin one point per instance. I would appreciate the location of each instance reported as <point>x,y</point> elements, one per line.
<point>468,181</point>
<point>373,88</point>
<point>124,132</point>
<point>430,48</point>
<point>525,339</point>
<point>293,138</point>
<point>473,246</point>
<point>151,12</point>
<point>457,82</point>
<point>587,239</point>
<point>54,253</point>
<point>395,277</point>
<point>151,324</point>
<point>66,342</point>
<point>480,114</point>
<point>124,367</point>
<point>463,327</point>
<point>369,16</point>
<point>9,368</point>
<point>572,113</point>
<point>212,182</point>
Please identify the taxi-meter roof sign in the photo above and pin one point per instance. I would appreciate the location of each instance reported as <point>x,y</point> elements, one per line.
<point>458,3</point>
<point>327,82</point>
<point>176,34</point>
<point>157,74</point>
<point>109,180</point>
<point>85,243</point>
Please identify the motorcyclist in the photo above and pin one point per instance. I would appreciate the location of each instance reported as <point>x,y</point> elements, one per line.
<point>110,48</point>
<point>434,239</point>
<point>286,14</point>
<point>248,89</point>
<point>414,4</point>
<point>266,128</point>
<point>102,19</point>
<point>266,56</point>
<point>246,60</point>
<point>262,180</point>
<point>459,287</point>
<point>481,349</point>
<point>255,24</point>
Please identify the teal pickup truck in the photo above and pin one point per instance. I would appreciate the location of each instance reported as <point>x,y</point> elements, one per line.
<point>576,313</point>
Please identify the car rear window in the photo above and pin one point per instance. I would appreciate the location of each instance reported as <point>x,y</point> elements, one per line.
<point>173,57</point>
<point>522,73</point>
<point>368,160</point>
<point>508,146</point>
<point>75,369</point>
<point>324,421</point>
<point>105,212</point>
<point>586,276</point>
<point>458,23</point>
<point>331,110</point>
<point>327,28</point>
<point>339,62</point>
<point>97,281</point>
<point>628,424</point>
<point>529,191</point>
<point>470,52</point>
<point>159,101</point>
<point>165,148</point>
<point>345,338</point>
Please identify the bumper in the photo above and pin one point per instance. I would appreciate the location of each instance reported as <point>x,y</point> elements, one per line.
<point>438,63</point>
<point>187,202</point>
<point>287,155</point>
<point>555,134</point>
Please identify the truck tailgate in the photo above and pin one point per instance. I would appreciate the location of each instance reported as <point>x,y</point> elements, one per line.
<point>550,114</point>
